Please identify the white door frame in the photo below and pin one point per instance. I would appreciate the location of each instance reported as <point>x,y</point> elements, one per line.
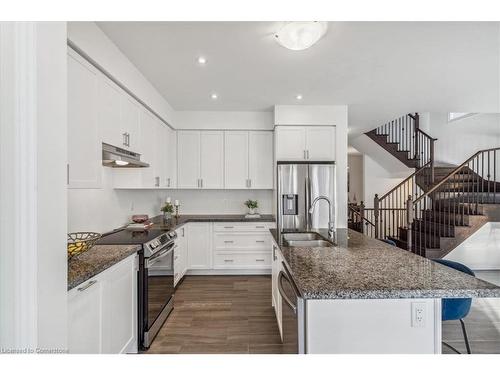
<point>32,101</point>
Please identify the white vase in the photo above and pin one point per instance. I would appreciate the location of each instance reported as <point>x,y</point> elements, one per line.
<point>251,211</point>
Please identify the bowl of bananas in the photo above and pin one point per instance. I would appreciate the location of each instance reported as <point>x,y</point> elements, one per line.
<point>79,242</point>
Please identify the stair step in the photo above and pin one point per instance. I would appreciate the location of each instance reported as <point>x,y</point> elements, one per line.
<point>404,245</point>
<point>444,217</point>
<point>451,206</point>
<point>442,229</point>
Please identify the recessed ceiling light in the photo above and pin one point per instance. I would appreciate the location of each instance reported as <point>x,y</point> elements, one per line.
<point>202,60</point>
<point>214,96</point>
<point>298,97</point>
<point>298,36</point>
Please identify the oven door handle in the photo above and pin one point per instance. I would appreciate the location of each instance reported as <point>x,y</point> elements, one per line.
<point>159,255</point>
<point>285,298</point>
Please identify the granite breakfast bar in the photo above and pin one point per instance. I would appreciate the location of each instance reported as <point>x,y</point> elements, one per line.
<point>364,296</point>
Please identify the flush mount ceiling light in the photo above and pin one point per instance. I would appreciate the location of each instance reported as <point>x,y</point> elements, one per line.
<point>214,96</point>
<point>202,60</point>
<point>301,35</point>
<point>298,97</point>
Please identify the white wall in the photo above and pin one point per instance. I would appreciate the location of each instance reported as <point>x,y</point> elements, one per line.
<point>324,115</point>
<point>356,178</point>
<point>460,139</point>
<point>481,251</point>
<point>88,37</point>
<point>105,209</point>
<point>378,180</point>
<point>223,120</point>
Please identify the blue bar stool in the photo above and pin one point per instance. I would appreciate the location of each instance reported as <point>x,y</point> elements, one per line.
<point>390,242</point>
<point>456,308</point>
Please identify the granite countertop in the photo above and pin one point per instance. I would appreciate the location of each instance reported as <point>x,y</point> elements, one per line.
<point>360,267</point>
<point>160,223</point>
<point>92,262</point>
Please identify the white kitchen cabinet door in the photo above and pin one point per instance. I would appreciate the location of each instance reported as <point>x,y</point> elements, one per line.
<point>320,143</point>
<point>199,246</point>
<point>109,113</point>
<point>260,166</point>
<point>160,154</point>
<point>212,159</point>
<point>84,145</point>
<point>182,248</point>
<point>148,140</point>
<point>188,159</point>
<point>290,143</point>
<point>119,302</point>
<point>171,158</point>
<point>236,159</point>
<point>129,124</point>
<point>84,318</point>
<point>276,297</point>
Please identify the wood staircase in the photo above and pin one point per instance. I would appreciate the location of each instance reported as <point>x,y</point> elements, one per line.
<point>438,206</point>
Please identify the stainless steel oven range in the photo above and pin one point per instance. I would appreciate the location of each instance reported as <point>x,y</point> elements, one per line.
<point>155,277</point>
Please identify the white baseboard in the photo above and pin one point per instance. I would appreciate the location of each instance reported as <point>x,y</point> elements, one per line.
<point>263,271</point>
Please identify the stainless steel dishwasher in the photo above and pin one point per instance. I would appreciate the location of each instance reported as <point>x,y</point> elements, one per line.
<point>292,314</point>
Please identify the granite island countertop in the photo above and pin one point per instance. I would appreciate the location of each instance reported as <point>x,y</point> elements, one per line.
<point>92,262</point>
<point>174,223</point>
<point>360,267</point>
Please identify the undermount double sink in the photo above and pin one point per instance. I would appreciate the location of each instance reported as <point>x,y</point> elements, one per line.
<point>306,239</point>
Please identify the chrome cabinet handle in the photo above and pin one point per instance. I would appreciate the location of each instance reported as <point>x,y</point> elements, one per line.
<point>228,241</point>
<point>259,226</point>
<point>86,286</point>
<point>157,181</point>
<point>201,182</point>
<point>260,241</point>
<point>182,231</point>
<point>124,135</point>
<point>228,260</point>
<point>249,182</point>
<point>307,153</point>
<point>168,182</point>
<point>128,139</point>
<point>259,260</point>
<point>228,227</point>
<point>274,252</point>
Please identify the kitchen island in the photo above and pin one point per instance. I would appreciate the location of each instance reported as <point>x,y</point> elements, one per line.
<point>364,296</point>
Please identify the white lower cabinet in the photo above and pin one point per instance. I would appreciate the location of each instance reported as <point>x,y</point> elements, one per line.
<point>198,244</point>
<point>180,254</point>
<point>276,297</point>
<point>102,312</point>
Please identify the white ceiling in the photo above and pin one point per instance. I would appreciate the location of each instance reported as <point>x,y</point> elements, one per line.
<point>379,69</point>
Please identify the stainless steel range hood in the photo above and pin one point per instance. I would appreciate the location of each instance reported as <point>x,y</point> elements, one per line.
<point>116,157</point>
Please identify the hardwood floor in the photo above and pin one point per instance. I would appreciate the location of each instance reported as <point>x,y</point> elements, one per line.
<point>233,314</point>
<point>221,314</point>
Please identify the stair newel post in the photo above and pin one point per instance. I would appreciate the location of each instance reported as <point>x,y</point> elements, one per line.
<point>376,215</point>
<point>362,215</point>
<point>432,160</point>
<point>417,125</point>
<point>409,219</point>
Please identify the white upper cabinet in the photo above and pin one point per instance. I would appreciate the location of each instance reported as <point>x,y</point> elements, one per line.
<point>212,160</point>
<point>236,159</point>
<point>118,115</point>
<point>290,142</point>
<point>171,158</point>
<point>305,143</point>
<point>320,143</point>
<point>200,159</point>
<point>248,160</point>
<point>188,159</point>
<point>260,161</point>
<point>109,98</point>
<point>84,146</point>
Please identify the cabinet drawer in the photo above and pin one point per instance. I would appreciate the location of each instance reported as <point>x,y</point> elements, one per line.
<point>247,260</point>
<point>243,227</point>
<point>225,241</point>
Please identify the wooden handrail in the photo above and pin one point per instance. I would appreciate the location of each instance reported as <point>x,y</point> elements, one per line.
<point>453,173</point>
<point>362,217</point>
<point>405,180</point>
<point>425,134</point>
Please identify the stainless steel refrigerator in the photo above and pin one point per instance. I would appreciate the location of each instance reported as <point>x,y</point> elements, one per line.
<point>302,187</point>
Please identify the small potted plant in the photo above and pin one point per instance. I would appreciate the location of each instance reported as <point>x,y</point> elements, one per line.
<point>168,210</point>
<point>251,205</point>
